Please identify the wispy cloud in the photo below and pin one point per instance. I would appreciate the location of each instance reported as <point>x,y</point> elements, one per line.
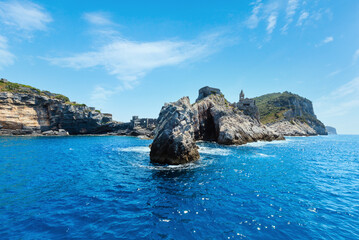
<point>341,101</point>
<point>267,12</point>
<point>131,60</point>
<point>336,72</point>
<point>21,17</point>
<point>271,12</point>
<point>98,18</point>
<point>272,21</point>
<point>6,57</point>
<point>303,16</point>
<point>356,55</point>
<point>290,12</point>
<point>24,15</point>
<point>328,40</point>
<point>253,20</point>
<point>101,94</point>
<point>325,41</point>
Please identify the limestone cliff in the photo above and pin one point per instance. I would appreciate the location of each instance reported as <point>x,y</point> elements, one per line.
<point>331,130</point>
<point>211,118</point>
<point>27,110</point>
<point>289,114</point>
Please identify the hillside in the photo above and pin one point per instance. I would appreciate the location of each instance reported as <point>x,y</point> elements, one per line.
<point>289,107</point>
<point>7,86</point>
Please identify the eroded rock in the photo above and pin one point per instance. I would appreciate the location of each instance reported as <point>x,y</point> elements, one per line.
<point>212,118</point>
<point>174,141</point>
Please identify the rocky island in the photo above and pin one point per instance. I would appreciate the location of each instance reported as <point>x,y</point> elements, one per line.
<point>210,118</point>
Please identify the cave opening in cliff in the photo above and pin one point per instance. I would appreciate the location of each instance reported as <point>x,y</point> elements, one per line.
<point>208,128</point>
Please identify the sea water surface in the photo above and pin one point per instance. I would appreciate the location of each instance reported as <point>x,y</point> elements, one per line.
<point>106,188</point>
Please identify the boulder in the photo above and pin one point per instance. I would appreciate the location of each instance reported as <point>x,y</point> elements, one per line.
<point>60,132</point>
<point>174,141</point>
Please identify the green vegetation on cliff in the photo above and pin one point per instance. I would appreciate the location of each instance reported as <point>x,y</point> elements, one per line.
<point>6,86</point>
<point>272,107</point>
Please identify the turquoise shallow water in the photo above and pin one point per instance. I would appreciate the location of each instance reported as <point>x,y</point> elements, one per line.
<point>105,188</point>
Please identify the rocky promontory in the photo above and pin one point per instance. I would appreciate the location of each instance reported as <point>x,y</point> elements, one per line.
<point>289,114</point>
<point>32,113</point>
<point>331,130</point>
<point>25,110</point>
<point>210,118</point>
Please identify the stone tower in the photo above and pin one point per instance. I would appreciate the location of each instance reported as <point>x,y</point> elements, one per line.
<point>241,96</point>
<point>248,106</point>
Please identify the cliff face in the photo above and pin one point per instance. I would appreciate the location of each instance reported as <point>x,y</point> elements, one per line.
<point>212,118</point>
<point>24,110</point>
<point>289,114</point>
<point>174,141</point>
<point>331,130</point>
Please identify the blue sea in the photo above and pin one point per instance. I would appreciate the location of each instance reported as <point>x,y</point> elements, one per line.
<point>104,187</point>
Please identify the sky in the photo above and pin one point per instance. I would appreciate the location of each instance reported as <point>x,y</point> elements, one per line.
<point>130,57</point>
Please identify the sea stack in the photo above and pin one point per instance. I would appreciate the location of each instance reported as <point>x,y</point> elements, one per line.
<point>210,118</point>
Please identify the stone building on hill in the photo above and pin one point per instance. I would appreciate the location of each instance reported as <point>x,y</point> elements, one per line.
<point>248,106</point>
<point>147,123</point>
<point>206,91</point>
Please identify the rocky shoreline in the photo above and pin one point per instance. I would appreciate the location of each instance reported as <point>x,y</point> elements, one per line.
<point>25,110</point>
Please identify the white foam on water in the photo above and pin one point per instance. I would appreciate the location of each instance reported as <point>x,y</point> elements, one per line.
<point>214,151</point>
<point>172,167</point>
<point>144,149</point>
<point>165,220</point>
<point>263,155</point>
<point>263,143</point>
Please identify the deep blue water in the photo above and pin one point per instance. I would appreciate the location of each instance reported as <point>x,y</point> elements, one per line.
<point>105,188</point>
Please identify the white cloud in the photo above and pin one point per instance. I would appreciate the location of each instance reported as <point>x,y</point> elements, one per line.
<point>272,21</point>
<point>24,15</point>
<point>341,101</point>
<point>356,55</point>
<point>335,73</point>
<point>325,41</point>
<point>290,12</point>
<point>291,8</point>
<point>97,18</point>
<point>101,94</point>
<point>303,16</point>
<point>351,87</point>
<point>131,60</point>
<point>328,40</point>
<point>6,57</point>
<point>253,20</point>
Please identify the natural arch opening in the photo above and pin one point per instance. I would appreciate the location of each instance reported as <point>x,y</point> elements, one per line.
<point>207,127</point>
